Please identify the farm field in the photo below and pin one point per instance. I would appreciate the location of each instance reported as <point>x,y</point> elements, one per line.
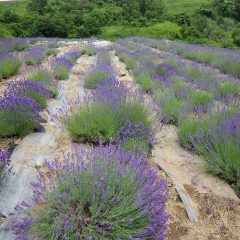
<point>133,139</point>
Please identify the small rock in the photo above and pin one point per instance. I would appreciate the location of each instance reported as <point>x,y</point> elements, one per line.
<point>43,117</point>
<point>122,74</point>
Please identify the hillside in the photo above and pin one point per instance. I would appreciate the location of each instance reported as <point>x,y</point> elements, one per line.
<point>187,6</point>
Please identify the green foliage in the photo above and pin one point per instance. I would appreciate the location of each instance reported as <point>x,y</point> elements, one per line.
<point>171,106</point>
<point>37,96</point>
<point>166,30</point>
<point>8,67</point>
<point>200,98</point>
<point>93,122</point>
<point>46,78</point>
<point>93,78</point>
<point>51,52</point>
<point>136,146</point>
<point>21,126</point>
<point>100,120</point>
<point>228,89</point>
<point>87,205</point>
<point>145,80</point>
<point>61,72</point>
<point>88,51</point>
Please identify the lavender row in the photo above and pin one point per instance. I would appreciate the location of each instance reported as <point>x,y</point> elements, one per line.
<point>210,128</point>
<point>228,61</point>
<point>63,64</point>
<point>104,192</point>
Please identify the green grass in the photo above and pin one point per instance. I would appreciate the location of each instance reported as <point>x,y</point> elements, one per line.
<point>183,6</point>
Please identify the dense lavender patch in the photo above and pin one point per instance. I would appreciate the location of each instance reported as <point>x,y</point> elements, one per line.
<point>34,55</point>
<point>228,61</point>
<point>107,111</point>
<point>33,90</point>
<point>18,115</point>
<point>12,44</point>
<point>101,193</point>
<point>63,64</point>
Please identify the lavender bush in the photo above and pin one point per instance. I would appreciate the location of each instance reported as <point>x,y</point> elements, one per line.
<point>18,115</point>
<point>9,65</point>
<point>102,193</point>
<point>45,78</point>
<point>37,92</point>
<point>34,55</point>
<point>62,67</point>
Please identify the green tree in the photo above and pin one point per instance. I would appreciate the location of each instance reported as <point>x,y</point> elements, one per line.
<point>38,6</point>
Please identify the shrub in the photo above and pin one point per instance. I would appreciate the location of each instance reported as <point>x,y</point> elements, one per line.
<point>93,122</point>
<point>52,45</point>
<point>34,56</point>
<point>51,52</point>
<point>144,79</point>
<point>9,65</point>
<point>88,51</point>
<point>21,45</point>
<point>45,78</point>
<point>221,149</point>
<point>38,93</point>
<point>61,72</point>
<point>73,55</point>
<point>171,107</point>
<point>136,138</point>
<point>94,77</point>
<point>166,30</point>
<point>62,67</point>
<point>103,193</point>
<point>228,90</point>
<point>18,115</point>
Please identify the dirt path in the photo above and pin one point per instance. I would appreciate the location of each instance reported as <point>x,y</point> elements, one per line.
<point>215,204</point>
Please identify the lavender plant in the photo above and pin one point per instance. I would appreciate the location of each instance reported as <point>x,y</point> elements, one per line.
<point>37,92</point>
<point>9,65</point>
<point>102,193</point>
<point>88,51</point>
<point>45,78</point>
<point>34,55</point>
<point>18,115</point>
<point>62,67</point>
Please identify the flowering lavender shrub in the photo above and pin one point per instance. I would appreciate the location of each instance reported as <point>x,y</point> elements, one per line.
<point>37,92</point>
<point>4,164</point>
<point>136,138</point>
<point>21,44</point>
<point>94,77</point>
<point>62,67</point>
<point>102,193</point>
<point>45,78</point>
<point>18,115</point>
<point>34,55</point>
<point>93,122</point>
<point>73,55</point>
<point>221,149</point>
<point>9,65</point>
<point>51,52</point>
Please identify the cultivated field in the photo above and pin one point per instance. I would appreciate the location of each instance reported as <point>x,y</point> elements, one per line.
<point>133,139</point>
